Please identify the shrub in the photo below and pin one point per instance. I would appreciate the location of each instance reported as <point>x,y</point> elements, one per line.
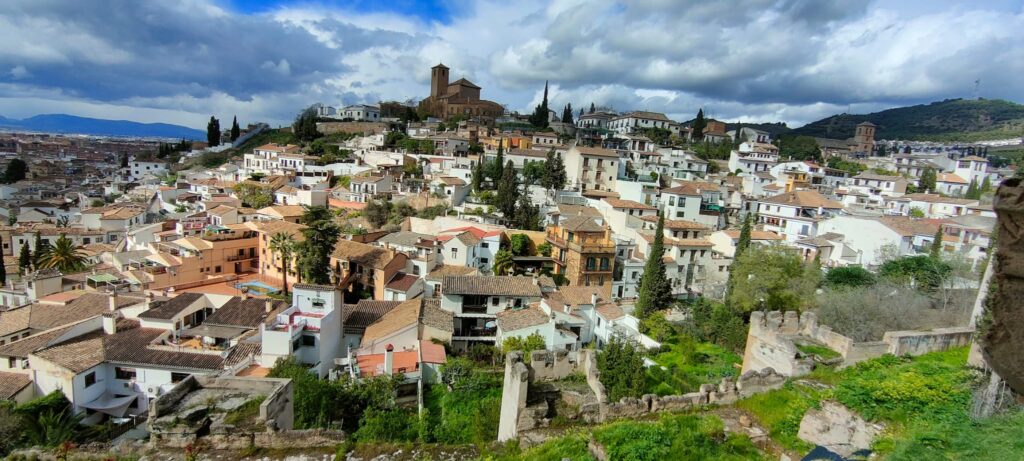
<point>852,276</point>
<point>866,313</point>
<point>534,342</point>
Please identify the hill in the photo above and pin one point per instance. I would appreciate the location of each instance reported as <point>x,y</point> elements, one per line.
<point>949,120</point>
<point>71,124</point>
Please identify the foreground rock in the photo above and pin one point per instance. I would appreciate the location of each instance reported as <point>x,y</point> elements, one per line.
<point>838,429</point>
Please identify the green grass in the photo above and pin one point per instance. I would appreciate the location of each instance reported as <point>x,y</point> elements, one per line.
<point>780,412</point>
<point>670,437</point>
<point>246,415</point>
<point>821,351</point>
<point>918,399</point>
<point>688,364</point>
<point>998,438</point>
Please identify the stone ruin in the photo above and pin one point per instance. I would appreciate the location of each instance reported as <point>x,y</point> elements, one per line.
<point>212,411</point>
<point>773,340</point>
<point>528,404</point>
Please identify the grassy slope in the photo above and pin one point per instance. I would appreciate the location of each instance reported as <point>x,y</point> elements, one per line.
<point>924,403</point>
<point>949,120</point>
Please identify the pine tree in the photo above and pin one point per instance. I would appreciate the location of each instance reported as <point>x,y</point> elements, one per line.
<point>936,250</point>
<point>527,215</point>
<point>508,191</point>
<point>235,130</point>
<point>698,125</point>
<point>986,185</point>
<point>25,259</point>
<point>655,290</point>
<point>213,132</point>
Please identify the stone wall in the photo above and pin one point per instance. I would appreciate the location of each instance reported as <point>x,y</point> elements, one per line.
<point>518,415</point>
<point>772,342</point>
<point>366,128</point>
<point>923,342</point>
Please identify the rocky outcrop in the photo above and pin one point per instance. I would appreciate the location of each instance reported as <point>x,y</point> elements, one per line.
<point>1004,337</point>
<point>838,429</point>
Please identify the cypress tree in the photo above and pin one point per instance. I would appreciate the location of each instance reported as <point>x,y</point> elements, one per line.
<point>655,290</point>
<point>508,191</point>
<point>213,132</point>
<point>936,250</point>
<point>499,163</point>
<point>986,185</point>
<point>698,125</point>
<point>973,192</point>
<point>235,130</point>
<point>478,174</point>
<point>927,180</point>
<point>25,259</point>
<point>592,108</point>
<point>41,247</point>
<point>3,270</point>
<point>744,240</point>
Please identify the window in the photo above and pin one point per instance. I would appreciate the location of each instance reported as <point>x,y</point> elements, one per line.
<point>455,253</point>
<point>90,379</point>
<point>604,264</point>
<point>483,261</point>
<point>679,214</point>
<point>494,301</point>
<point>124,373</point>
<point>178,377</point>
<point>12,362</point>
<point>591,263</point>
<point>308,340</point>
<point>635,275</point>
<point>484,245</point>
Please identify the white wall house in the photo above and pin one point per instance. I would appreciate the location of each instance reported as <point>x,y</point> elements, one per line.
<point>360,113</point>
<point>795,215</point>
<point>309,330</point>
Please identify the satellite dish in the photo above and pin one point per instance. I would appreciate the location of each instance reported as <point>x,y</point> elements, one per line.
<point>490,324</point>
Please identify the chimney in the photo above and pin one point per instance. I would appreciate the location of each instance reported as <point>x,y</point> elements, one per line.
<point>593,299</point>
<point>110,323</point>
<point>112,301</point>
<point>389,359</point>
<point>536,280</point>
<point>269,306</point>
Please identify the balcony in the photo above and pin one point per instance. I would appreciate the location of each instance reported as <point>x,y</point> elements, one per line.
<point>582,245</point>
<point>474,309</point>
<point>232,258</point>
<point>475,332</point>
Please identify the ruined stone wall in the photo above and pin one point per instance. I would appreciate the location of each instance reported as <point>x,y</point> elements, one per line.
<point>513,397</point>
<point>923,342</point>
<point>771,342</point>
<point>550,366</point>
<point>162,405</point>
<point>278,409</point>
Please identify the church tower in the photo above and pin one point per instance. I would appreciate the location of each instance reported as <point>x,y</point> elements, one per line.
<point>864,137</point>
<point>438,80</point>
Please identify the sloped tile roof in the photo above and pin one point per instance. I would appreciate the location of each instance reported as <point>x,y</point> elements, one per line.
<point>517,319</point>
<point>510,285</point>
<point>803,198</point>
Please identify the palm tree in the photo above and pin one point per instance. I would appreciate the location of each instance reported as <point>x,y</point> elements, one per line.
<point>284,245</point>
<point>503,263</point>
<point>63,255</point>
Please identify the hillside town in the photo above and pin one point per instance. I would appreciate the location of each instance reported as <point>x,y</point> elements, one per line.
<point>526,272</point>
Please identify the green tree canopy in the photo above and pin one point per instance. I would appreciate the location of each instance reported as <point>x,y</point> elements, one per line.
<point>236,131</point>
<point>621,364</point>
<point>772,277</point>
<point>927,179</point>
<point>16,170</point>
<point>63,255</point>
<point>799,148</point>
<point>508,191</point>
<point>283,245</point>
<point>321,235</point>
<point>849,277</point>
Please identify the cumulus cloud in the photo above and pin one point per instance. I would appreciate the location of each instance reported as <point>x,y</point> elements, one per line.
<point>749,60</point>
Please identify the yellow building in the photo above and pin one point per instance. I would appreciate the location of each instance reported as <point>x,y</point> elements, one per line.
<point>583,252</point>
<point>508,142</point>
<point>190,261</point>
<point>271,265</point>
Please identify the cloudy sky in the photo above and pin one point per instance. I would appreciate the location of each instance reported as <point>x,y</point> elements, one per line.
<point>759,60</point>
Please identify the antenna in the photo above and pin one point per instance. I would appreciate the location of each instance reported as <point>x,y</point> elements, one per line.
<point>977,86</point>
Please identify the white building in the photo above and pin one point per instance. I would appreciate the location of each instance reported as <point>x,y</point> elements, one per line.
<point>309,330</point>
<point>636,121</point>
<point>360,113</point>
<point>796,214</point>
<point>591,168</point>
<point>475,302</point>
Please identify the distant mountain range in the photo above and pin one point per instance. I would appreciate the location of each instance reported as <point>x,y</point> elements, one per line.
<point>71,124</point>
<point>950,120</point>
